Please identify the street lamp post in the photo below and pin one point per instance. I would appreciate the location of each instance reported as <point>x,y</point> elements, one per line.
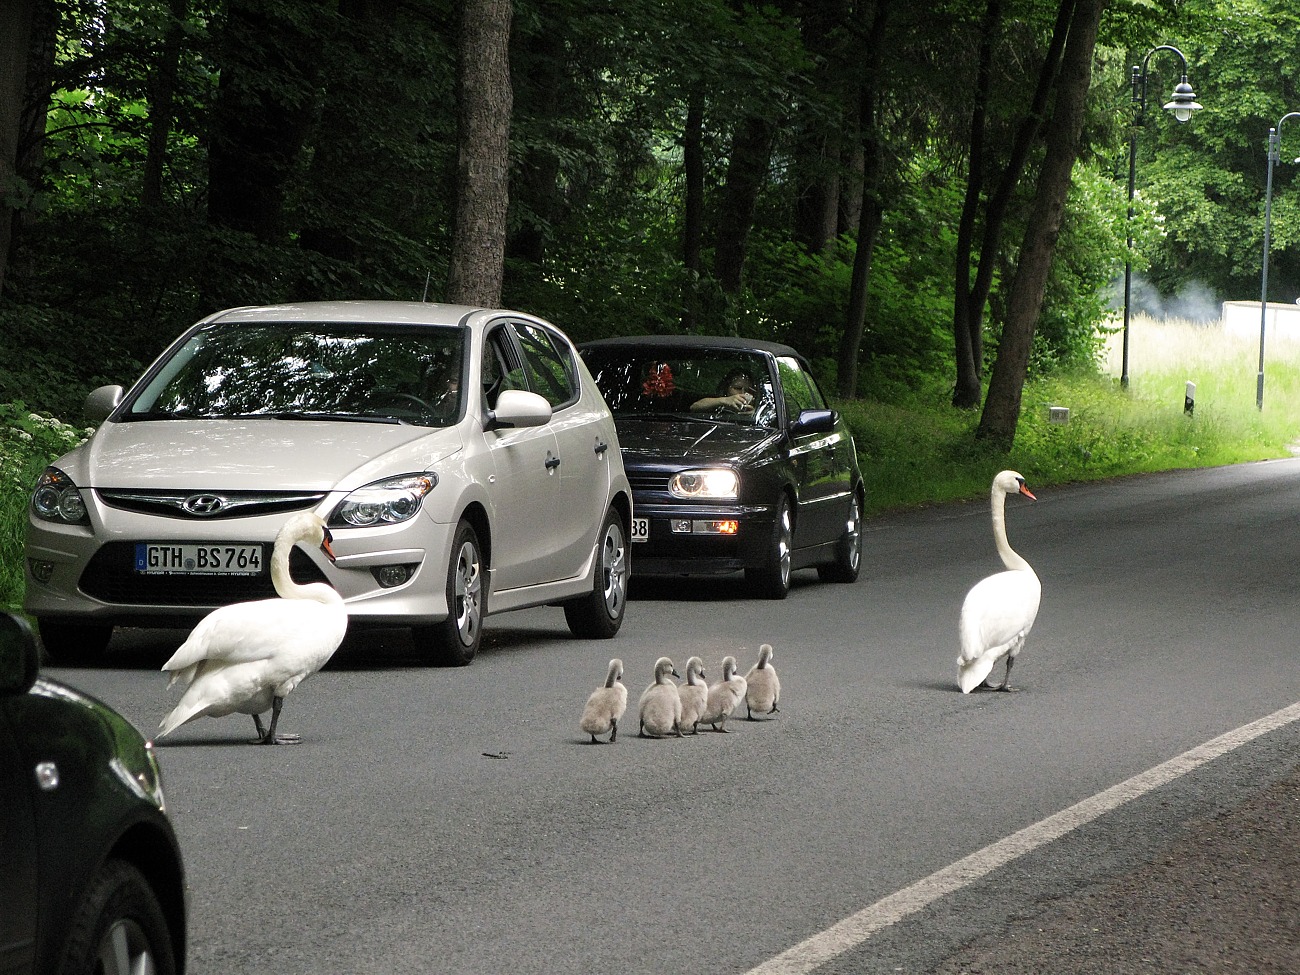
<point>1182,103</point>
<point>1274,143</point>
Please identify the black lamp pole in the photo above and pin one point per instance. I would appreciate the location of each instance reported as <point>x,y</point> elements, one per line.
<point>1182,103</point>
<point>1274,142</point>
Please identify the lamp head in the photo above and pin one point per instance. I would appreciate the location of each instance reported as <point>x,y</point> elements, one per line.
<point>1183,101</point>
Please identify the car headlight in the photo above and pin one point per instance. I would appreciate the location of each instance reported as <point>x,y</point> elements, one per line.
<point>387,502</point>
<point>56,498</point>
<point>707,484</point>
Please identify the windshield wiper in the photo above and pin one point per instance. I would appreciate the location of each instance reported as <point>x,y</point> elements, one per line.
<point>349,417</point>
<point>662,416</point>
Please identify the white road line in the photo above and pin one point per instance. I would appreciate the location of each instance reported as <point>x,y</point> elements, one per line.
<point>856,929</point>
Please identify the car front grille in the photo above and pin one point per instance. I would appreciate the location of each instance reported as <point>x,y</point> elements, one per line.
<point>208,505</point>
<point>648,483</point>
<point>111,577</point>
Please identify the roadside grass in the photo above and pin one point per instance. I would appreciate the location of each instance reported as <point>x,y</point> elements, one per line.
<point>923,452</point>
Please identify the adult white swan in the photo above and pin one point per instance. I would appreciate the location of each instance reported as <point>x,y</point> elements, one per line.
<point>247,657</point>
<point>999,611</point>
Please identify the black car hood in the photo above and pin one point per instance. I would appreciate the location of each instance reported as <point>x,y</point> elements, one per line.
<point>689,441</point>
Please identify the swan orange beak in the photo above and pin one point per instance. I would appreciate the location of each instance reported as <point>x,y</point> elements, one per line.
<point>1025,491</point>
<point>326,547</point>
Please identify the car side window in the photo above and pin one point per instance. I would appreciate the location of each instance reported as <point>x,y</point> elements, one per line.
<point>799,395</point>
<point>501,369</point>
<point>548,363</point>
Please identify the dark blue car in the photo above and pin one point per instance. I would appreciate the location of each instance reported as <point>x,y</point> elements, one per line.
<point>91,878</point>
<point>736,460</point>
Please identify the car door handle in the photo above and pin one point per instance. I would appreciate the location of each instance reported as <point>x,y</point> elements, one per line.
<point>552,462</point>
<point>601,447</point>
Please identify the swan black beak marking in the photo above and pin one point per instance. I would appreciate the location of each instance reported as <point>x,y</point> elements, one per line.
<point>325,545</point>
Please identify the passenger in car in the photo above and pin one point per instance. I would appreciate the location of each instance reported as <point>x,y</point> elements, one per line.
<point>736,393</point>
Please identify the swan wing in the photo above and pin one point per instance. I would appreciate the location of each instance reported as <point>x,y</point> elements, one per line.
<point>220,690</point>
<point>996,617</point>
<point>259,630</point>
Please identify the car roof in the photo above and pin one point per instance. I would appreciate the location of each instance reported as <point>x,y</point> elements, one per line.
<point>406,312</point>
<point>685,343</point>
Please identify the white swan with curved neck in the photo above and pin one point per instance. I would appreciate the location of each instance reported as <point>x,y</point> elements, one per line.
<point>246,657</point>
<point>999,610</point>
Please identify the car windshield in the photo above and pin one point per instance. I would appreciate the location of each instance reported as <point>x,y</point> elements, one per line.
<point>728,385</point>
<point>301,370</point>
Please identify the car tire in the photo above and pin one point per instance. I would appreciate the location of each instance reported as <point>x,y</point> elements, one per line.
<point>71,644</point>
<point>848,550</point>
<point>599,614</point>
<point>454,642</point>
<point>772,578</point>
<point>119,920</point>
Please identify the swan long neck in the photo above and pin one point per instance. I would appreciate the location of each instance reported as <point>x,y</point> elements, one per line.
<point>615,672</point>
<point>1010,558</point>
<point>285,587</point>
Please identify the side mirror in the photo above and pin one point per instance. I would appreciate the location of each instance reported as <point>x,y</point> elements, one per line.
<point>19,657</point>
<point>518,408</point>
<point>814,421</point>
<point>101,402</point>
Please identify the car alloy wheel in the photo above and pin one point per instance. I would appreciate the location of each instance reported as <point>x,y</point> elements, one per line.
<point>848,550</point>
<point>599,615</point>
<point>119,927</point>
<point>455,641</point>
<point>773,578</point>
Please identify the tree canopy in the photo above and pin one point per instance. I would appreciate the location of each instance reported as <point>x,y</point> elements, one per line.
<point>859,178</point>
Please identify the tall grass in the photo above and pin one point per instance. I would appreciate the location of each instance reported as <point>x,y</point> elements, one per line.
<point>923,451</point>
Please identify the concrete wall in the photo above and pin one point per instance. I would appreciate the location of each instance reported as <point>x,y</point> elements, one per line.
<point>1282,324</point>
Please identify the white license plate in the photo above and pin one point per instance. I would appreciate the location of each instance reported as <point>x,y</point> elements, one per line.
<point>640,529</point>
<point>190,559</point>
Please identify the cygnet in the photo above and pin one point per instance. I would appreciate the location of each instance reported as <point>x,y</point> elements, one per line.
<point>694,694</point>
<point>764,687</point>
<point>606,705</point>
<point>724,696</point>
<point>660,707</point>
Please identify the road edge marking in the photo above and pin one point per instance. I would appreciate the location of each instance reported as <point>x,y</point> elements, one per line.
<point>858,928</point>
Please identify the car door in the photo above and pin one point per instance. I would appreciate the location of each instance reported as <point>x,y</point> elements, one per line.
<point>819,458</point>
<point>526,490</point>
<point>579,428</point>
<point>18,841</point>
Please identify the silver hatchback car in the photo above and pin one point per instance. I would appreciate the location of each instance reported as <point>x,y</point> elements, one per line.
<point>463,459</point>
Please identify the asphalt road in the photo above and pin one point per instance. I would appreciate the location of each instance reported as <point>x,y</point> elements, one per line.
<point>456,821</point>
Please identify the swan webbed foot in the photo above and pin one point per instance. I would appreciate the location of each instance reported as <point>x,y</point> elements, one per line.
<point>271,738</point>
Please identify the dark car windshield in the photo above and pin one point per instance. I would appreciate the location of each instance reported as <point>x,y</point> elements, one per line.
<point>303,370</point>
<point>727,385</point>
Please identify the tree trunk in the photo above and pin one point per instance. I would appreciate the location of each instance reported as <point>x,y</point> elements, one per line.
<point>260,119</point>
<point>871,210</point>
<point>541,83</point>
<point>162,97</point>
<point>969,335</point>
<point>818,144</point>
<point>483,103</point>
<point>1006,383</point>
<point>15,35</point>
<point>751,151</point>
<point>693,215</point>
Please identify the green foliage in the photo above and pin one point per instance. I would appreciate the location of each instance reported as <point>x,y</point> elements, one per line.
<point>28,442</point>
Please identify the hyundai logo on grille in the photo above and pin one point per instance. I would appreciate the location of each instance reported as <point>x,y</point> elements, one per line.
<point>203,504</point>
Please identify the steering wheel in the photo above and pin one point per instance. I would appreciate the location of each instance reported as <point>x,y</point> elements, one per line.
<point>394,395</point>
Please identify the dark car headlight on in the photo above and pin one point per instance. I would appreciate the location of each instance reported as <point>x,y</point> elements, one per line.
<point>387,502</point>
<point>705,484</point>
<point>56,498</point>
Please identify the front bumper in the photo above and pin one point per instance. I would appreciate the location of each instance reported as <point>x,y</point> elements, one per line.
<point>86,573</point>
<point>681,539</point>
